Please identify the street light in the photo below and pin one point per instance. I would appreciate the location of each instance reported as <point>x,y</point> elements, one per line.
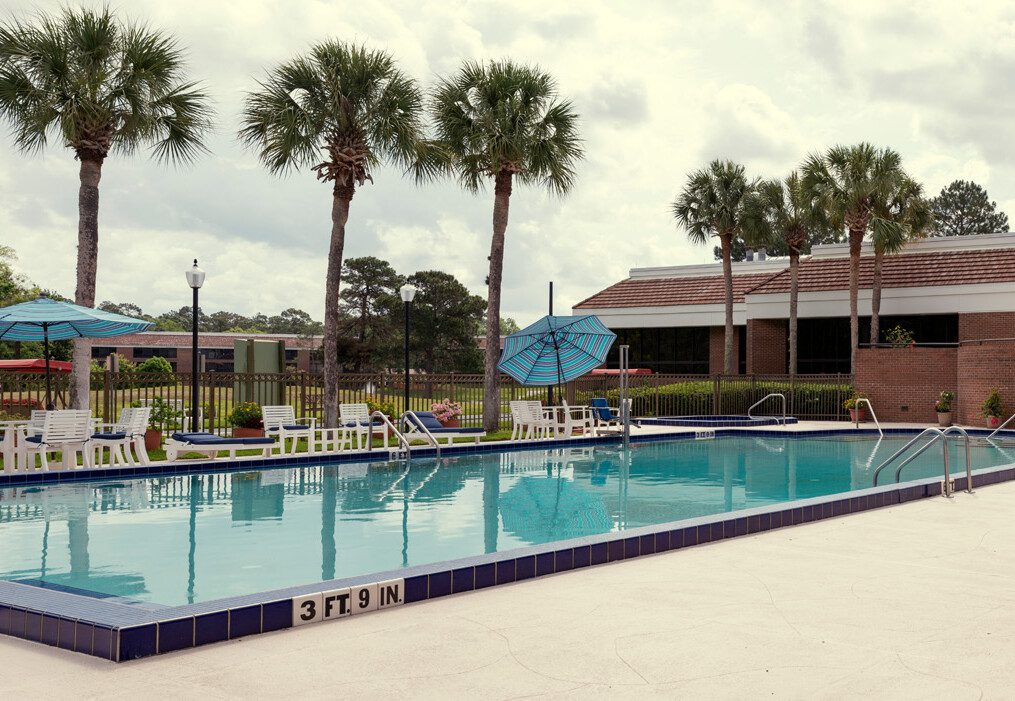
<point>195,278</point>
<point>407,292</point>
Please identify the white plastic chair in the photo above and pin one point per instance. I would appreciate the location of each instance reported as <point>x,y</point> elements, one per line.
<point>281,421</point>
<point>530,420</point>
<point>126,433</point>
<point>68,431</point>
<point>355,421</point>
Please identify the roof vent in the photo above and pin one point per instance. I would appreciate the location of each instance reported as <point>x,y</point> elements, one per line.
<point>750,255</point>
<point>761,254</point>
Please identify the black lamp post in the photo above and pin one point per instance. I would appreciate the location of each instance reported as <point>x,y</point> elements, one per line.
<point>407,292</point>
<point>195,278</point>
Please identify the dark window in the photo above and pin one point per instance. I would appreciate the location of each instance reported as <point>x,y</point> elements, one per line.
<point>100,352</point>
<point>823,346</point>
<point>140,353</point>
<point>664,350</point>
<point>926,328</point>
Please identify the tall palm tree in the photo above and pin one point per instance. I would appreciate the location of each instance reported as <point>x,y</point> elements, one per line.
<point>712,203</point>
<point>100,86</point>
<point>782,209</point>
<point>503,121</point>
<point>340,110</point>
<point>848,182</point>
<point>906,215</point>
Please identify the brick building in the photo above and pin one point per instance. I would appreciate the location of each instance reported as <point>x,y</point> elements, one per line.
<point>216,348</point>
<point>948,292</point>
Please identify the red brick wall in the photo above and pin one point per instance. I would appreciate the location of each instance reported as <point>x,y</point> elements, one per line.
<point>981,368</point>
<point>717,349</point>
<point>974,327</point>
<point>903,384</point>
<point>766,346</point>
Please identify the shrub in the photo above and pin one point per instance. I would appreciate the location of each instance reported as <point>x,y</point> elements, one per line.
<point>246,415</point>
<point>386,408</point>
<point>164,415</point>
<point>899,337</point>
<point>993,406</point>
<point>156,365</point>
<point>944,402</point>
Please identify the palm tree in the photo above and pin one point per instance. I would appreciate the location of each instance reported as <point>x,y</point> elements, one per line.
<point>503,121</point>
<point>906,215</point>
<point>713,204</point>
<point>783,210</point>
<point>340,111</point>
<point>848,182</point>
<point>101,86</point>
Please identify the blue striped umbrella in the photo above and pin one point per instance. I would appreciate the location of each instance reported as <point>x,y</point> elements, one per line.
<point>46,320</point>
<point>556,349</point>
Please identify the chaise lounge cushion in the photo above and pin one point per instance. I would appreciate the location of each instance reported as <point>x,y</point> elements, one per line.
<point>212,439</point>
<point>288,427</point>
<point>431,424</point>
<point>109,436</point>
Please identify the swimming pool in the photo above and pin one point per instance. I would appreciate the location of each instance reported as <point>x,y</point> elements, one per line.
<point>718,421</point>
<point>172,540</point>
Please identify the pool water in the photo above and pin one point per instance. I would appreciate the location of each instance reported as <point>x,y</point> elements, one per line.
<point>192,538</point>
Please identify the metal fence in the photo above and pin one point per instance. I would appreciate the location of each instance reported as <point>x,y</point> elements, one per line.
<point>807,396</point>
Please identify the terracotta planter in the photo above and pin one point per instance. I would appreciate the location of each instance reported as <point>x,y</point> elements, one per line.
<point>856,415</point>
<point>452,423</point>
<point>240,432</point>
<point>993,421</point>
<point>944,418</point>
<point>152,439</point>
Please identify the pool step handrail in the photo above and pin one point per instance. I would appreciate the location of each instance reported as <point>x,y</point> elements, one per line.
<point>765,399</point>
<point>386,422</point>
<point>937,434</point>
<point>856,407</point>
<point>419,427</point>
<point>996,430</point>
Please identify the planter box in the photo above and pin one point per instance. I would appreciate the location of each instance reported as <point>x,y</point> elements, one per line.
<point>152,439</point>
<point>993,421</point>
<point>944,419</point>
<point>239,432</point>
<point>452,423</point>
<point>856,415</point>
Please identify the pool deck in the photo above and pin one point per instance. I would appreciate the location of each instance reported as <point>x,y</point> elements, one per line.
<point>908,601</point>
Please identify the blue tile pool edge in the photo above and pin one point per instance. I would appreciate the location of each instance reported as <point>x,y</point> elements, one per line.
<point>119,632</point>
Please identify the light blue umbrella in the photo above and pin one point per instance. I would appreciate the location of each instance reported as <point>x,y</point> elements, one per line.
<point>556,349</point>
<point>46,319</point>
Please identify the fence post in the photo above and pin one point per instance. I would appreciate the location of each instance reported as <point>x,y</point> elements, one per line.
<point>303,393</point>
<point>107,394</point>
<point>717,395</point>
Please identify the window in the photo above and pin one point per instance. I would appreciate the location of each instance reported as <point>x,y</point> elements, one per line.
<point>664,350</point>
<point>100,352</point>
<point>140,353</point>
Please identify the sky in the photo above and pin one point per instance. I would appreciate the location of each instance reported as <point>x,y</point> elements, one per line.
<point>662,88</point>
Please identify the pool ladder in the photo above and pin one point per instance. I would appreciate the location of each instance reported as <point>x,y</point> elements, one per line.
<point>856,407</point>
<point>764,399</point>
<point>937,433</point>
<point>403,441</point>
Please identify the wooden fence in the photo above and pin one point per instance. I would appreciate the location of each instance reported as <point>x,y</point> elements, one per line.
<point>808,396</point>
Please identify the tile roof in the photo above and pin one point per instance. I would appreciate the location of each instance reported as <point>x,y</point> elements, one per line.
<point>207,339</point>
<point>664,292</point>
<point>901,270</point>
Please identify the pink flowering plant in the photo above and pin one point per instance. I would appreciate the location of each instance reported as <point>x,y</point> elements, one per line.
<point>446,410</point>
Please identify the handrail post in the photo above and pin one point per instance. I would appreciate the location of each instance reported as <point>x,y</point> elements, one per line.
<point>948,482</point>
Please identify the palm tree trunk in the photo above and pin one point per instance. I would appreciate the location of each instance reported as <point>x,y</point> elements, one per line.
<point>491,375</point>
<point>88,258</point>
<point>339,216</point>
<point>794,294</point>
<point>727,274</point>
<point>855,241</point>
<point>879,259</point>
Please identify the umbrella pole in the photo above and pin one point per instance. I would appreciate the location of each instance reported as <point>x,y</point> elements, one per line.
<point>45,353</point>
<point>549,388</point>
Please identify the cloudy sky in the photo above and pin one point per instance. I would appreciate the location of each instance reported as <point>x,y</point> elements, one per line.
<point>662,87</point>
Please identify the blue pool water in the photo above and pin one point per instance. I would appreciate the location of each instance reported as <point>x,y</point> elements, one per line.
<point>192,538</point>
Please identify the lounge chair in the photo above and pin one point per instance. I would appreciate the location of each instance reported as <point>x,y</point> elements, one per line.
<point>355,421</point>
<point>210,444</point>
<point>281,421</point>
<point>419,423</point>
<point>68,431</point>
<point>120,437</point>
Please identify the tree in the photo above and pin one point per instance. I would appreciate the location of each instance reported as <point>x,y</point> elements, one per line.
<point>369,286</point>
<point>777,247</point>
<point>904,216</point>
<point>847,182</point>
<point>124,308</point>
<point>503,121</point>
<point>292,320</point>
<point>340,111</point>
<point>781,213</point>
<point>101,86</point>
<point>509,326</point>
<point>963,208</point>
<point>712,204</point>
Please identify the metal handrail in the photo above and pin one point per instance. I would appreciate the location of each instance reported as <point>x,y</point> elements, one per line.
<point>398,434</point>
<point>943,435</point>
<point>1006,422</point>
<point>420,428</point>
<point>766,398</point>
<point>864,400</point>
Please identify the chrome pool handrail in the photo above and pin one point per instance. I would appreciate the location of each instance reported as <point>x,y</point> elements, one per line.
<point>386,422</point>
<point>1006,422</point>
<point>943,435</point>
<point>423,430</point>
<point>864,400</point>
<point>766,398</point>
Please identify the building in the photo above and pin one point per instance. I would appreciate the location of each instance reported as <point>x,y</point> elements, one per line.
<point>945,291</point>
<point>216,348</point>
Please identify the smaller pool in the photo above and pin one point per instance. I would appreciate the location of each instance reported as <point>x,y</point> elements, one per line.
<point>718,421</point>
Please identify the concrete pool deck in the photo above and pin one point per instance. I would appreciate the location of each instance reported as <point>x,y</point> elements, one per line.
<point>914,600</point>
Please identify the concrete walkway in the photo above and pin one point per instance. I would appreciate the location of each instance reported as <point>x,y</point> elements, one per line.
<point>913,601</point>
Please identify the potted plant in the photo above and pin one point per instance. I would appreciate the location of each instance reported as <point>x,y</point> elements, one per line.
<point>386,408</point>
<point>993,408</point>
<point>899,337</point>
<point>164,416</point>
<point>246,420</point>
<point>448,413</point>
<point>856,414</point>
<point>944,408</point>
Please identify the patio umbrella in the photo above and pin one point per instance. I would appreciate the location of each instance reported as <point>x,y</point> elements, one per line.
<point>46,320</point>
<point>556,349</point>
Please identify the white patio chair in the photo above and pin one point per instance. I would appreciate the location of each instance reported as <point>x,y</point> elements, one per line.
<point>355,421</point>
<point>68,431</point>
<point>530,420</point>
<point>280,420</point>
<point>123,435</point>
<point>574,418</point>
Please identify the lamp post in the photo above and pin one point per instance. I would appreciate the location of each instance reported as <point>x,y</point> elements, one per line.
<point>195,278</point>
<point>407,292</point>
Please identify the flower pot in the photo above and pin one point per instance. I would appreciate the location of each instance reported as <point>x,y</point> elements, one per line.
<point>944,418</point>
<point>240,432</point>
<point>858,415</point>
<point>452,423</point>
<point>993,421</point>
<point>152,439</point>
